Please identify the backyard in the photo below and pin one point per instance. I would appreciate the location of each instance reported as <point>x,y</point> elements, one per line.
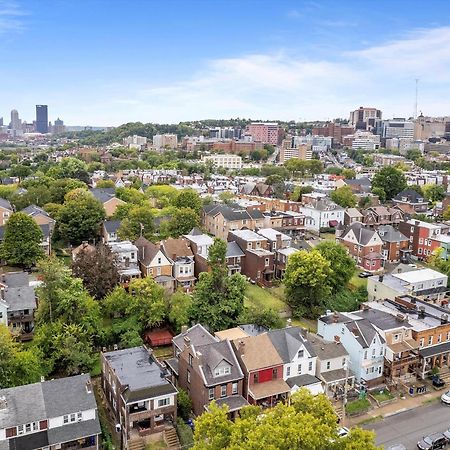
<point>258,297</point>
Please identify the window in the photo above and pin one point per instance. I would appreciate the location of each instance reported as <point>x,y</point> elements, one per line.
<point>211,393</point>
<point>132,255</point>
<point>20,429</point>
<point>27,427</point>
<point>274,373</point>
<point>430,340</point>
<point>381,351</point>
<point>66,419</point>
<point>300,354</point>
<point>328,365</point>
<point>159,260</point>
<point>266,262</point>
<point>223,390</point>
<point>163,402</point>
<point>439,338</point>
<point>310,366</point>
<point>219,371</point>
<point>255,378</point>
<point>396,337</point>
<point>299,369</point>
<point>188,375</point>
<point>422,341</point>
<point>190,359</point>
<point>72,417</point>
<point>343,362</point>
<point>79,415</point>
<point>448,336</point>
<point>234,388</point>
<point>365,354</point>
<point>373,352</point>
<point>288,371</point>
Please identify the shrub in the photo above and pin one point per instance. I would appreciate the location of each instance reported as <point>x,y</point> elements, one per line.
<point>185,434</point>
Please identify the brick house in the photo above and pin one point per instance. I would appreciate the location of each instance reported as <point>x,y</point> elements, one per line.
<point>352,215</point>
<point>258,264</point>
<point>142,400</point>
<point>5,211</point>
<point>375,216</point>
<point>263,371</point>
<point>395,244</point>
<point>363,244</point>
<point>40,216</point>
<point>411,201</point>
<point>56,414</point>
<point>107,197</point>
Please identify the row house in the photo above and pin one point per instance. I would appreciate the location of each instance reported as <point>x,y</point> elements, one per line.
<point>17,304</point>
<point>422,236</point>
<point>274,204</point>
<point>109,231</point>
<point>293,223</point>
<point>322,214</point>
<point>276,239</point>
<point>382,215</point>
<point>352,215</point>
<point>107,197</point>
<point>256,189</point>
<point>138,393</point>
<point>424,283</point>
<point>281,260</point>
<point>219,220</point>
<point>6,210</point>
<point>411,201</point>
<point>126,254</point>
<point>40,216</point>
<point>395,244</point>
<point>365,346</point>
<point>56,414</point>
<point>258,263</point>
<point>363,244</point>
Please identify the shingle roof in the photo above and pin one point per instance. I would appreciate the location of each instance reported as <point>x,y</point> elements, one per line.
<point>111,226</point>
<point>33,210</point>
<point>326,349</point>
<point>176,248</point>
<point>233,250</point>
<point>234,402</point>
<point>5,204</point>
<point>252,354</point>
<point>363,235</point>
<point>288,341</point>
<point>363,331</point>
<point>389,234</point>
<point>197,334</point>
<point>103,194</point>
<point>302,380</point>
<point>411,195</point>
<point>74,431</point>
<point>146,250</point>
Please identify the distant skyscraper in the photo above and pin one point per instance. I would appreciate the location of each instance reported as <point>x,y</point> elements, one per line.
<point>58,127</point>
<point>42,119</point>
<point>1,121</point>
<point>16,123</point>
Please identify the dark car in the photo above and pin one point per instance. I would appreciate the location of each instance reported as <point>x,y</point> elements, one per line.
<point>364,275</point>
<point>432,442</point>
<point>438,382</point>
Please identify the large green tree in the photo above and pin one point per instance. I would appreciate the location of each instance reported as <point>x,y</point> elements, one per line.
<point>344,197</point>
<point>343,267</point>
<point>307,282</point>
<point>434,192</point>
<point>80,217</point>
<point>218,299</point>
<point>139,220</point>
<point>188,198</point>
<point>21,242</point>
<point>182,221</point>
<point>307,422</point>
<point>391,180</point>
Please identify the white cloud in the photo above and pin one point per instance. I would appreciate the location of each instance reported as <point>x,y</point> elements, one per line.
<point>10,17</point>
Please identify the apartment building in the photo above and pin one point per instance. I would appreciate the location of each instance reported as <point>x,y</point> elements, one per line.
<point>365,118</point>
<point>264,132</point>
<point>161,141</point>
<point>302,151</point>
<point>226,161</point>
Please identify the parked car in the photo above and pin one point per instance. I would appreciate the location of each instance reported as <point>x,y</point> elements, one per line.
<point>433,442</point>
<point>445,398</point>
<point>438,382</point>
<point>447,435</point>
<point>343,431</point>
<point>364,275</point>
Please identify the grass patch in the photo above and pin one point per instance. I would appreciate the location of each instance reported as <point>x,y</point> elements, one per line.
<point>327,237</point>
<point>309,324</point>
<point>357,406</point>
<point>259,298</point>
<point>431,400</point>
<point>163,352</point>
<point>156,445</point>
<point>185,434</point>
<point>357,282</point>
<point>370,420</point>
<point>382,396</point>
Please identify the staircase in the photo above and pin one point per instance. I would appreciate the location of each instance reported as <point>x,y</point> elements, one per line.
<point>136,444</point>
<point>171,438</point>
<point>338,409</point>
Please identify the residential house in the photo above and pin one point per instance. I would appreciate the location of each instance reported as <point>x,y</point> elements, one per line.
<point>352,215</point>
<point>374,216</point>
<point>395,244</point>
<point>6,210</point>
<point>263,371</point>
<point>258,263</point>
<point>219,220</point>
<point>180,253</point>
<point>276,239</point>
<point>422,236</point>
<point>109,231</point>
<point>198,335</point>
<point>211,372</point>
<point>56,414</point>
<point>234,258</point>
<point>281,260</point>
<point>299,358</point>
<point>365,346</point>
<point>40,216</point>
<point>331,365</point>
<point>411,201</point>
<point>154,263</point>
<point>138,393</point>
<point>425,283</point>
<point>17,303</point>
<point>107,197</point>
<point>126,254</point>
<point>441,243</point>
<point>293,223</point>
<point>322,214</point>
<point>363,244</point>
<point>257,189</point>
<point>361,185</point>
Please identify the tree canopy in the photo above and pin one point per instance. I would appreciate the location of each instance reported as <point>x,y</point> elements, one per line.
<point>344,197</point>
<point>391,180</point>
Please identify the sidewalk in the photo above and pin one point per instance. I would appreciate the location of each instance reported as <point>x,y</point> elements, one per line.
<point>398,407</point>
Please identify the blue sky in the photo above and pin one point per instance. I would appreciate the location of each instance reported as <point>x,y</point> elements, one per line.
<point>106,62</point>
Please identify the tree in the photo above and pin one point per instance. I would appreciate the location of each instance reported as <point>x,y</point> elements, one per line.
<point>188,198</point>
<point>80,217</point>
<point>391,180</point>
<point>184,404</point>
<point>17,366</point>
<point>344,197</point>
<point>70,168</point>
<point>434,192</point>
<point>182,221</point>
<point>307,282</point>
<point>342,265</point>
<point>105,184</point>
<point>349,174</point>
<point>332,170</point>
<point>98,269</point>
<point>131,195</point>
<point>299,191</point>
<point>380,193</point>
<point>59,188</point>
<point>22,241</point>
<point>446,214</point>
<point>179,306</point>
<point>413,154</point>
<point>20,171</point>
<point>218,299</point>
<point>163,195</point>
<point>226,197</point>
<point>307,422</point>
<point>139,220</point>
<point>265,317</point>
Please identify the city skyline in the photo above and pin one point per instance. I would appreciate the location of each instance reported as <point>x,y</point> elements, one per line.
<point>287,60</point>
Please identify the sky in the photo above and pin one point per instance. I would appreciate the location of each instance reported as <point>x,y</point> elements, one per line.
<point>107,62</point>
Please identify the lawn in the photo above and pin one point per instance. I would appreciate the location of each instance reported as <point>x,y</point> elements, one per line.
<point>382,396</point>
<point>308,324</point>
<point>357,406</point>
<point>258,297</point>
<point>358,282</point>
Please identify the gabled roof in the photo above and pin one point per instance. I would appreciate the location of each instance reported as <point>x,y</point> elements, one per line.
<point>411,195</point>
<point>257,352</point>
<point>233,250</point>
<point>271,234</point>
<point>353,212</point>
<point>363,331</point>
<point>326,349</point>
<point>33,210</point>
<point>288,341</point>
<point>174,248</point>
<point>111,226</point>
<point>5,204</point>
<point>103,194</point>
<point>363,234</point>
<point>389,234</point>
<point>146,250</point>
<point>197,334</point>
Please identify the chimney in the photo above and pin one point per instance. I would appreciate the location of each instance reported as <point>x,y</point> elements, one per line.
<point>184,328</point>
<point>3,403</point>
<point>421,312</point>
<point>89,386</point>
<point>42,378</point>
<point>444,319</point>
<point>278,238</point>
<point>400,317</point>
<point>288,323</point>
<point>174,257</point>
<point>380,278</point>
<point>187,341</point>
<point>241,347</point>
<point>365,307</point>
<point>337,339</point>
<point>335,317</point>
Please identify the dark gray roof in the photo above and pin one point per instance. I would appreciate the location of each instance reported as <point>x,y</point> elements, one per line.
<point>363,331</point>
<point>74,431</point>
<point>335,318</point>
<point>233,250</point>
<point>288,341</point>
<point>28,441</point>
<point>15,279</point>
<point>195,232</point>
<point>255,214</point>
<point>363,234</point>
<point>137,369</point>
<point>20,298</point>
<point>326,349</point>
<point>212,355</point>
<point>234,402</point>
<point>382,320</point>
<point>389,234</point>
<point>197,334</point>
<point>111,226</point>
<point>411,195</point>
<point>173,364</point>
<point>335,375</point>
<point>253,330</point>
<point>48,399</point>
<point>363,181</point>
<point>45,228</point>
<point>435,350</point>
<point>5,204</point>
<point>302,380</point>
<point>103,194</point>
<point>232,214</point>
<point>33,210</point>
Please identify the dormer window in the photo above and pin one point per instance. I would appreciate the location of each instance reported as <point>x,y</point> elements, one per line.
<point>300,354</point>
<point>220,371</point>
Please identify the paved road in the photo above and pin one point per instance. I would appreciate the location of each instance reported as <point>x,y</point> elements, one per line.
<point>408,427</point>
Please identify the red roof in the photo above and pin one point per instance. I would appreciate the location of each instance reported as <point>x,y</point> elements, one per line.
<point>157,338</point>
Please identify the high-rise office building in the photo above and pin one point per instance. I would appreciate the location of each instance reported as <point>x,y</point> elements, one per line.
<point>58,127</point>
<point>42,119</point>
<point>365,118</point>
<point>16,123</point>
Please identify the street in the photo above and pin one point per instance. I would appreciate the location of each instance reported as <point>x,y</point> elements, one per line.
<point>408,427</point>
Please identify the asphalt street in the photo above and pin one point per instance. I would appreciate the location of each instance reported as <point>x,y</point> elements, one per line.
<point>409,427</point>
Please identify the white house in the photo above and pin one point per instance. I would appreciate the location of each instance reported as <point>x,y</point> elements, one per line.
<point>322,214</point>
<point>366,348</point>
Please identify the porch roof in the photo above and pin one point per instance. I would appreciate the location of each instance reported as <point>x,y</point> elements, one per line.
<point>75,431</point>
<point>274,387</point>
<point>405,346</point>
<point>332,376</point>
<point>234,402</point>
<point>435,350</point>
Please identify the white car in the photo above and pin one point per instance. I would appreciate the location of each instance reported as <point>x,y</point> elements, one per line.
<point>445,398</point>
<point>343,431</point>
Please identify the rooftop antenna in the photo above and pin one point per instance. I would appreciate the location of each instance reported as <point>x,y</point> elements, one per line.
<point>415,104</point>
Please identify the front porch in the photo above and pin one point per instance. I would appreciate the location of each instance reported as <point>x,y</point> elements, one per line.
<point>269,393</point>
<point>436,357</point>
